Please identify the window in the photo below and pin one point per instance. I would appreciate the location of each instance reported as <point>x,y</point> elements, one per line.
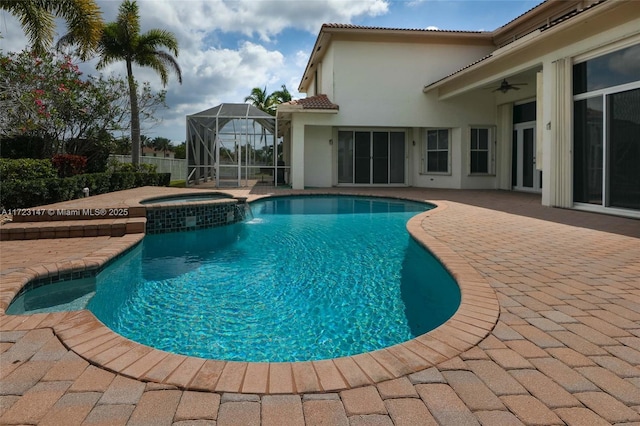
<point>613,69</point>
<point>435,158</point>
<point>480,158</point>
<point>523,113</point>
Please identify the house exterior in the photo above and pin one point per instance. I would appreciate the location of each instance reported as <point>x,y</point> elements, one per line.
<point>152,152</point>
<point>548,103</point>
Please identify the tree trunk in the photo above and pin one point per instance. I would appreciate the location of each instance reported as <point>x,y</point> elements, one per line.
<point>135,117</point>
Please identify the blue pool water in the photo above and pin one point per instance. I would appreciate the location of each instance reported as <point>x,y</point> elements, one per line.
<point>307,278</point>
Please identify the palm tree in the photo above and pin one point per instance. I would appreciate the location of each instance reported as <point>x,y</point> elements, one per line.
<point>259,99</point>
<point>279,97</point>
<point>268,104</point>
<point>162,144</point>
<point>122,41</point>
<point>37,17</point>
<point>145,142</point>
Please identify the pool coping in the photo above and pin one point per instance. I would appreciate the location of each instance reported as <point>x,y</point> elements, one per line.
<point>83,333</point>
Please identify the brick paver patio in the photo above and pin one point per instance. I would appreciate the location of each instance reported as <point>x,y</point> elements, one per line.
<point>565,348</point>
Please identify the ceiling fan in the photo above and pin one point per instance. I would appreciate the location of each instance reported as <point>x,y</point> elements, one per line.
<point>505,86</point>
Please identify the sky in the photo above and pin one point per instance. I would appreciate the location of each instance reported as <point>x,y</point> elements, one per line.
<point>226,48</point>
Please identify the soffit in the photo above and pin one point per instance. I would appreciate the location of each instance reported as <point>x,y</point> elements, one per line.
<point>527,52</point>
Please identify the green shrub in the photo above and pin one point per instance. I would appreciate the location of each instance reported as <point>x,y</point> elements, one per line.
<point>145,179</point>
<point>15,194</point>
<point>164,179</point>
<point>98,183</point>
<point>153,179</point>
<point>147,168</point>
<point>22,194</point>
<point>122,180</point>
<point>26,169</point>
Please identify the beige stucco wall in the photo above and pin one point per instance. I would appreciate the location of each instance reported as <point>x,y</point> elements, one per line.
<point>318,163</point>
<point>379,85</point>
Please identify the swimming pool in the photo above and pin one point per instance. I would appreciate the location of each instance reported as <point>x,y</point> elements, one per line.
<point>307,278</point>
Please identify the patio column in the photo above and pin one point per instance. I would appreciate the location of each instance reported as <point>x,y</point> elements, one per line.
<point>297,154</point>
<point>504,138</point>
<point>561,176</point>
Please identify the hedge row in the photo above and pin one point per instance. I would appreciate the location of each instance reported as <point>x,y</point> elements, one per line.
<point>26,169</point>
<point>18,193</point>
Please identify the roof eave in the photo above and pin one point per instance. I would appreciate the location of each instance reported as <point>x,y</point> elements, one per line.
<point>328,30</point>
<point>520,46</point>
<point>496,55</point>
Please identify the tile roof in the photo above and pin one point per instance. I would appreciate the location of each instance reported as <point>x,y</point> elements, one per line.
<point>570,15</point>
<point>426,30</point>
<point>314,102</point>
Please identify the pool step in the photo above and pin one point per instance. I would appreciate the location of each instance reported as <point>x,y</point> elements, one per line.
<point>72,228</point>
<point>54,213</point>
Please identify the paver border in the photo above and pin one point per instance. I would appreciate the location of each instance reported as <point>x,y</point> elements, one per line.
<point>84,334</point>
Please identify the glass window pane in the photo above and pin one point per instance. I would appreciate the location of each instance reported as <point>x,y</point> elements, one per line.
<point>443,161</point>
<point>514,159</point>
<point>443,139</point>
<point>612,69</point>
<point>345,157</point>
<point>381,170</point>
<point>396,157</point>
<point>380,144</point>
<point>588,150</point>
<point>432,162</point>
<point>623,124</point>
<point>363,157</point>
<point>483,139</point>
<point>528,153</point>
<point>432,139</point>
<point>524,113</point>
<point>474,138</point>
<point>479,162</point>
<point>380,157</point>
<point>438,161</point>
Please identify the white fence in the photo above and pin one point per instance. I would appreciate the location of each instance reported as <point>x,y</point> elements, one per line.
<point>177,167</point>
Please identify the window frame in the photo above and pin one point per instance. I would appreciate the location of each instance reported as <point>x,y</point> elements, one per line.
<point>424,167</point>
<point>604,94</point>
<point>491,143</point>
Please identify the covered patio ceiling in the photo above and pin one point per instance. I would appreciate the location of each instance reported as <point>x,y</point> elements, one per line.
<point>525,55</point>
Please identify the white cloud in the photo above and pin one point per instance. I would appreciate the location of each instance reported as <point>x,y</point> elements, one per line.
<point>215,70</point>
<point>12,37</point>
<point>264,18</point>
<point>432,27</point>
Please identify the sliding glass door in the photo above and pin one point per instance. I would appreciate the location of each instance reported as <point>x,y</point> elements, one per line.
<point>371,157</point>
<point>606,136</point>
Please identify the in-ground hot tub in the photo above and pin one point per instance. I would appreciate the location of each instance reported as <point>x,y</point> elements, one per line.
<point>186,198</point>
<point>188,212</point>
